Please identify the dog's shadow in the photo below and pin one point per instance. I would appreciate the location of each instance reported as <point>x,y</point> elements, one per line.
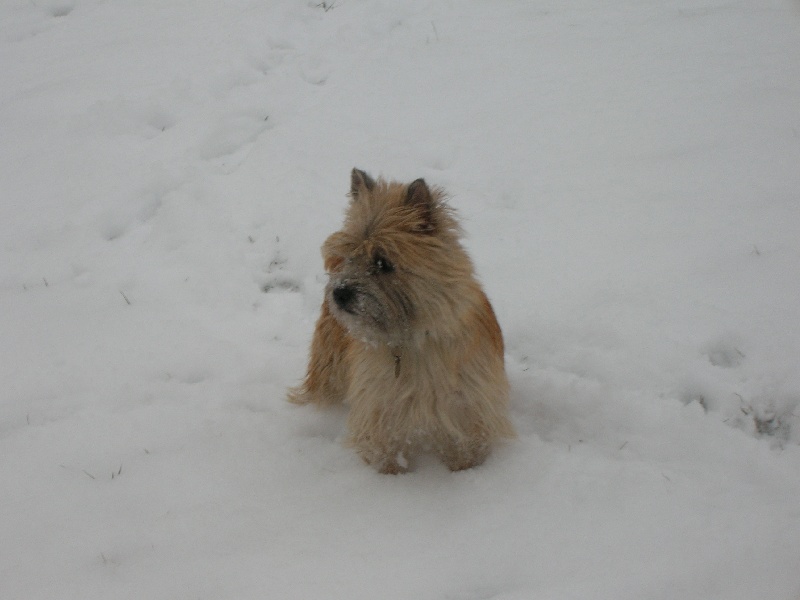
<point>327,424</point>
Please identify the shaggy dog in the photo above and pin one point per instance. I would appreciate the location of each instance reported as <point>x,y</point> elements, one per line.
<point>406,335</point>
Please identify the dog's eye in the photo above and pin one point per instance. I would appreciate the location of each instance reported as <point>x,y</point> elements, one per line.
<point>382,265</point>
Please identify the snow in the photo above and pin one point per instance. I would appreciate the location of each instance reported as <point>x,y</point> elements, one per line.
<point>627,174</point>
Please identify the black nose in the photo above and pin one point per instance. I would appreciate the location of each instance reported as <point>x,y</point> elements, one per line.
<point>343,295</point>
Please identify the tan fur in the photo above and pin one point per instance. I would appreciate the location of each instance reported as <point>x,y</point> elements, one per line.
<point>406,335</point>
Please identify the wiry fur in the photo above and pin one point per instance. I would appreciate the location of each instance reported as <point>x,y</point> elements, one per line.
<point>406,335</point>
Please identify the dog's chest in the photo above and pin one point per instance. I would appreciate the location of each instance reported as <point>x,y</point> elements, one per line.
<point>400,374</point>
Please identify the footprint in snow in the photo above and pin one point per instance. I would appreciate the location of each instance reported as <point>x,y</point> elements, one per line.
<point>280,284</point>
<point>724,353</point>
<point>60,9</point>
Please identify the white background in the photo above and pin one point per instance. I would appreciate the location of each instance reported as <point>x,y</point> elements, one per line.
<point>629,177</point>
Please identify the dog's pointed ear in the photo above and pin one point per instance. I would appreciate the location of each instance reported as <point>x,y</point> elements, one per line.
<point>419,197</point>
<point>359,181</point>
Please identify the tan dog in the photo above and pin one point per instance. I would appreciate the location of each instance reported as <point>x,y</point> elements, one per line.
<point>406,336</point>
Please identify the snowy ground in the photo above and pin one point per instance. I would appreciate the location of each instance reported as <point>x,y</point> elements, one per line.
<point>628,175</point>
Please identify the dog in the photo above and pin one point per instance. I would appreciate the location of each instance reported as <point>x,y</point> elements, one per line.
<point>406,336</point>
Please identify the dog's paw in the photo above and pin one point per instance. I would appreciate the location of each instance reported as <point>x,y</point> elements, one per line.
<point>387,464</point>
<point>464,458</point>
<point>392,468</point>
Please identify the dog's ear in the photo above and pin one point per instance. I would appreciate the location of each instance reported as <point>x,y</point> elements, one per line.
<point>359,180</point>
<point>419,197</point>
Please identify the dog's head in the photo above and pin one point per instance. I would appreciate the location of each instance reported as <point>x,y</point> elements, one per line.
<point>396,266</point>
